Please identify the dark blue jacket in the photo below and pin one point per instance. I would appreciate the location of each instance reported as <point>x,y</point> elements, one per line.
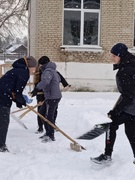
<point>14,81</point>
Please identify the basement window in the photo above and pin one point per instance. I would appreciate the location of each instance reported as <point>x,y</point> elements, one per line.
<point>81,23</point>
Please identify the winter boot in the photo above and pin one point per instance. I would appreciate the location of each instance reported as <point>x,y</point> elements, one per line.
<point>41,137</point>
<point>4,149</point>
<point>52,137</point>
<point>40,130</point>
<point>48,138</point>
<point>102,159</point>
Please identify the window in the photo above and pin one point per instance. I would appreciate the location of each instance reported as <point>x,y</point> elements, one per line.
<point>81,22</point>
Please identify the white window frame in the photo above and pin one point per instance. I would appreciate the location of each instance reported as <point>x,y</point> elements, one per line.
<point>82,46</point>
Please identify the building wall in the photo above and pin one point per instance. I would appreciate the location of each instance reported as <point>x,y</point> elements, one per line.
<point>46,30</point>
<point>117,25</point>
<point>89,76</point>
<point>48,37</point>
<point>32,26</point>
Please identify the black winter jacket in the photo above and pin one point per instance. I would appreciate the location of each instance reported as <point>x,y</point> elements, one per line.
<point>14,81</point>
<point>125,79</point>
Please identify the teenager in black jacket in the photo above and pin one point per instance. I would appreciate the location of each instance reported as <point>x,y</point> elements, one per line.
<point>124,110</point>
<point>12,85</point>
<point>40,95</point>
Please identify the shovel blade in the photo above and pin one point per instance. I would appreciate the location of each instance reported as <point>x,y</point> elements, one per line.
<point>18,121</point>
<point>75,147</point>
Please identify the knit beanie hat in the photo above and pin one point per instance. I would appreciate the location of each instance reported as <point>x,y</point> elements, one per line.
<point>119,49</point>
<point>31,61</point>
<point>43,60</point>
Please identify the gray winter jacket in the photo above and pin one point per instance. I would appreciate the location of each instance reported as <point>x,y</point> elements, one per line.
<point>50,81</point>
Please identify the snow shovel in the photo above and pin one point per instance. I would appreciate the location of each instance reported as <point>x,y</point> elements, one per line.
<point>75,146</point>
<point>18,121</point>
<point>22,109</point>
<point>27,111</point>
<point>95,132</point>
<point>98,129</point>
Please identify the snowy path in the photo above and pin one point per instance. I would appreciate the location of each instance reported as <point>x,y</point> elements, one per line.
<point>78,112</point>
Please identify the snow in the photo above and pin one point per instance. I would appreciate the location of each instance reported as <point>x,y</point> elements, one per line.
<point>78,112</point>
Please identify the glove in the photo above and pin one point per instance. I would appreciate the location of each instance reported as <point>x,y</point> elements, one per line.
<point>112,114</point>
<point>34,92</point>
<point>28,101</point>
<point>20,101</point>
<point>19,105</point>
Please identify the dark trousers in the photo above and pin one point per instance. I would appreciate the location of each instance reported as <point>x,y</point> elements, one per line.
<point>4,123</point>
<point>48,110</point>
<point>40,122</point>
<point>129,122</point>
<point>40,98</point>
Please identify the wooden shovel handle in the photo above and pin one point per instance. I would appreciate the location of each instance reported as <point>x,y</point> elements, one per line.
<point>23,114</point>
<point>19,110</point>
<point>54,126</point>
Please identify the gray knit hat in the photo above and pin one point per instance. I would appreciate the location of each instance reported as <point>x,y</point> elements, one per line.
<point>31,61</point>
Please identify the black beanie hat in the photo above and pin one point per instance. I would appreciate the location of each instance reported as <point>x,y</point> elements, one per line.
<point>43,60</point>
<point>119,49</point>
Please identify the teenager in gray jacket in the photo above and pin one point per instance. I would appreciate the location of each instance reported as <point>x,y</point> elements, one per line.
<point>49,84</point>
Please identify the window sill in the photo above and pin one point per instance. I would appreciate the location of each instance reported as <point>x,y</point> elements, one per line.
<point>82,48</point>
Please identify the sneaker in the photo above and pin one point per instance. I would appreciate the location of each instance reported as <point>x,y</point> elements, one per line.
<point>102,159</point>
<point>41,137</point>
<point>48,139</point>
<point>4,149</point>
<point>40,130</point>
<point>52,137</point>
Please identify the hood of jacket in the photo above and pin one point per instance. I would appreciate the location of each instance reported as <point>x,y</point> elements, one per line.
<point>127,61</point>
<point>50,65</point>
<point>20,63</point>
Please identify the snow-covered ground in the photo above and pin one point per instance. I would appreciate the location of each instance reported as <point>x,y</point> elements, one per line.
<point>30,159</point>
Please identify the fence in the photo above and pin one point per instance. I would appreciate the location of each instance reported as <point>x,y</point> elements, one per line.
<point>15,56</point>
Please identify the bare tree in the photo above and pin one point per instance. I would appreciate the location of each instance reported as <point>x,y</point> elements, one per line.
<point>13,17</point>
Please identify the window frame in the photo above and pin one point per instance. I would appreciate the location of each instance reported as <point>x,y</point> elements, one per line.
<point>83,11</point>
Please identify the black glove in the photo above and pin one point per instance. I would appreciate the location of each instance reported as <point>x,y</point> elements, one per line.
<point>34,92</point>
<point>112,114</point>
<point>19,105</point>
<point>20,101</point>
